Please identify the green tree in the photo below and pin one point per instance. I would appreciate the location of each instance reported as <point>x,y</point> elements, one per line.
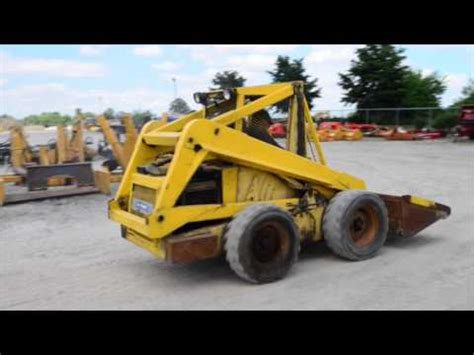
<point>88,115</point>
<point>48,119</point>
<point>180,106</point>
<point>7,122</point>
<point>293,70</point>
<point>109,114</point>
<point>228,79</point>
<point>142,117</point>
<point>423,91</point>
<point>467,95</point>
<point>376,78</point>
<point>450,117</point>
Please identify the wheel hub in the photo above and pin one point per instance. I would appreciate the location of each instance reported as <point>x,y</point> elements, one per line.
<point>269,242</point>
<point>363,227</point>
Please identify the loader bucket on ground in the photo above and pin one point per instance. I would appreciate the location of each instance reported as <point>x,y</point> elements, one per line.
<point>408,215</point>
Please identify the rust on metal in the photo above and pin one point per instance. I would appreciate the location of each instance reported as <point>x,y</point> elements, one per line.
<point>271,241</point>
<point>187,249</point>
<point>407,219</point>
<point>364,226</point>
<point>16,179</point>
<point>37,176</point>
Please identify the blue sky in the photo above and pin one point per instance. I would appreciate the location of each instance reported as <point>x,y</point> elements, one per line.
<point>39,78</point>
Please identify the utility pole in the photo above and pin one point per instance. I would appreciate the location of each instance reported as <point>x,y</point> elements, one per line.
<point>100,105</point>
<point>175,88</point>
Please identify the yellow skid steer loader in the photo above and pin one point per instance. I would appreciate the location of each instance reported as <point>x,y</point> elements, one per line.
<point>210,183</point>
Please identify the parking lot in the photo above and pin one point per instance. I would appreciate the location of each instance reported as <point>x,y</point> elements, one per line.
<point>66,254</point>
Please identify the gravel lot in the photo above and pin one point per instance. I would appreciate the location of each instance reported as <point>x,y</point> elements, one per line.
<point>66,254</point>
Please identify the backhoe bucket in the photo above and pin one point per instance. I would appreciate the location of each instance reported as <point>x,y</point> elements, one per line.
<point>408,215</point>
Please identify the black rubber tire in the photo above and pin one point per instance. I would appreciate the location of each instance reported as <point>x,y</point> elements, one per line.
<point>246,235</point>
<point>340,228</point>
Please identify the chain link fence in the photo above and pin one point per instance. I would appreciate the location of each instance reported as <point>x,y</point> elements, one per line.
<point>413,117</point>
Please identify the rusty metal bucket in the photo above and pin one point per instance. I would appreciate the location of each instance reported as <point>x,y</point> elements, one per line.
<point>408,215</point>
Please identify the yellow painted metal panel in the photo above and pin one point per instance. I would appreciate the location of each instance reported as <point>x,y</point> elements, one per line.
<point>153,246</point>
<point>422,201</point>
<point>179,124</point>
<point>254,153</point>
<point>165,221</point>
<point>152,182</point>
<point>292,141</point>
<point>313,134</point>
<point>128,219</point>
<point>256,185</point>
<point>260,90</point>
<point>229,185</point>
<point>2,192</point>
<point>162,138</point>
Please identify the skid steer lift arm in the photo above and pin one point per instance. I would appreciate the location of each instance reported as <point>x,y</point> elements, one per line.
<point>187,181</point>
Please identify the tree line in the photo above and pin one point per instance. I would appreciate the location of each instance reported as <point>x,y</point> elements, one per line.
<point>377,78</point>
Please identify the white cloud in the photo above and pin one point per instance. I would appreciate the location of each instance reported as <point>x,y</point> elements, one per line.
<point>325,62</point>
<point>93,50</point>
<point>331,54</point>
<point>253,61</point>
<point>427,72</point>
<point>253,48</point>
<point>29,99</point>
<point>50,67</point>
<point>212,54</point>
<point>166,66</point>
<point>436,47</point>
<point>252,67</point>
<point>147,51</point>
<point>455,83</point>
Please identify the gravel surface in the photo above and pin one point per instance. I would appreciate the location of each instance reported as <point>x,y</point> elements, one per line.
<point>66,254</point>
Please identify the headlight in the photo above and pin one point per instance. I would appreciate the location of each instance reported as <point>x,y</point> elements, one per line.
<point>198,97</point>
<point>228,94</point>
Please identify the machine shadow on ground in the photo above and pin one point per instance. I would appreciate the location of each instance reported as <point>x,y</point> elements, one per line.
<point>415,242</point>
<point>211,270</point>
<point>217,271</point>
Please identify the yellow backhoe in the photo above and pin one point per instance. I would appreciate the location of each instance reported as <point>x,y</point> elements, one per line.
<point>211,183</point>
